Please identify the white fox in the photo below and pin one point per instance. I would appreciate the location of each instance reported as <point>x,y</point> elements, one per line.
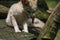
<point>18,16</point>
<point>17,10</point>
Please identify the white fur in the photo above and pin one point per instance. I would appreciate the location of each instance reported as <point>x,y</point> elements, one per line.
<point>14,23</point>
<point>25,27</point>
<point>33,4</point>
<point>37,23</point>
<point>11,21</point>
<point>16,9</point>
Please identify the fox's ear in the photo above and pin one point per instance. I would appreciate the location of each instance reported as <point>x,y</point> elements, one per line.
<point>24,1</point>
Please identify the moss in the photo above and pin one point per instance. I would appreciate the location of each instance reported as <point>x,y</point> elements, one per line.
<point>7,33</point>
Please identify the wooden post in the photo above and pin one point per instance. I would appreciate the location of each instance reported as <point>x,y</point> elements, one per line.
<point>52,25</point>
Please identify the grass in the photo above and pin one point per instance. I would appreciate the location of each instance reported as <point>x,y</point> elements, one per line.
<point>52,3</point>
<point>58,35</point>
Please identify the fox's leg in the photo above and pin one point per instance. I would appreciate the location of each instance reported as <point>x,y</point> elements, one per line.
<point>8,20</point>
<point>15,24</point>
<point>25,29</point>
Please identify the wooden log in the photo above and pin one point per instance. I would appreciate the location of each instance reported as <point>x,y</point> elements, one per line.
<point>8,33</point>
<point>52,25</point>
<point>3,9</point>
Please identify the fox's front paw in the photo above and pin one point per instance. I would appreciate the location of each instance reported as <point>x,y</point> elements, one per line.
<point>25,31</point>
<point>17,31</point>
